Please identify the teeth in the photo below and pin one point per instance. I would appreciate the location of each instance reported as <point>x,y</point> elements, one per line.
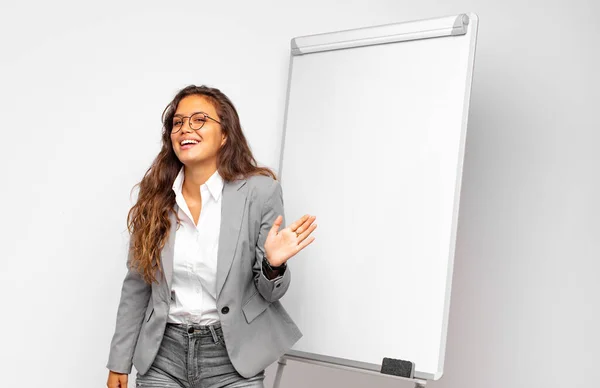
<point>188,142</point>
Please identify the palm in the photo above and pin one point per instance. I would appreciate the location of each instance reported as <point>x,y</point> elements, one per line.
<point>281,245</point>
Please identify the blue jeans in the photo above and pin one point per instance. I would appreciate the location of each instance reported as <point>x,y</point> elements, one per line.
<point>196,359</point>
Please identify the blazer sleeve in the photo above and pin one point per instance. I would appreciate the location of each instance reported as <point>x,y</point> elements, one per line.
<point>135,295</point>
<point>272,289</point>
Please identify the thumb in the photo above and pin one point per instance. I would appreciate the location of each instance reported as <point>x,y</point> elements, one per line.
<point>276,225</point>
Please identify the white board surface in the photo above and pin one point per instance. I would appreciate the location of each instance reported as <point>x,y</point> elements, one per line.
<point>373,146</point>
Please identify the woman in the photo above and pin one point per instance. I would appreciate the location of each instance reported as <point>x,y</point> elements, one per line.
<point>207,258</point>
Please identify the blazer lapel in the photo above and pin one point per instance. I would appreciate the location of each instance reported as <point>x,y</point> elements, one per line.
<point>167,253</point>
<point>232,213</point>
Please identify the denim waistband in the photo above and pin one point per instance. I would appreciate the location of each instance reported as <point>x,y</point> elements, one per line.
<point>202,330</point>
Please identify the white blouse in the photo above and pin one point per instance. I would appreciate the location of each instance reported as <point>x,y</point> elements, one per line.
<point>193,292</point>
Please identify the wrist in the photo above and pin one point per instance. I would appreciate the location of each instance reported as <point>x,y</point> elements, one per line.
<point>271,271</point>
<point>275,264</point>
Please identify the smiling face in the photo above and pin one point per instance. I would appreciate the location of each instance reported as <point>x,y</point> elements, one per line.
<point>209,138</point>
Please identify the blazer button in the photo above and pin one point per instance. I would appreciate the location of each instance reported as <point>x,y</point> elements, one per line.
<point>225,310</point>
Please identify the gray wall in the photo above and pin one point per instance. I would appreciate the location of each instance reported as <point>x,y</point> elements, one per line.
<point>526,293</point>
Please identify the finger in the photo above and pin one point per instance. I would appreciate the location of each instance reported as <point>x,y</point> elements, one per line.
<point>300,223</point>
<point>302,236</point>
<point>305,243</point>
<point>276,225</point>
<point>303,223</point>
<point>306,224</point>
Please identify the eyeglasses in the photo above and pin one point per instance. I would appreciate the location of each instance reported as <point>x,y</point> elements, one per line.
<point>197,121</point>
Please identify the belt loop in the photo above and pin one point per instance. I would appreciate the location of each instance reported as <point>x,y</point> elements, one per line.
<point>214,333</point>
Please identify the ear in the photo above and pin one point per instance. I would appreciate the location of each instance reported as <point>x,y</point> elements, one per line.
<point>223,140</point>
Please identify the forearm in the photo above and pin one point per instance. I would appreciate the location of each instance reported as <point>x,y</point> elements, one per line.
<point>135,295</point>
<point>271,286</point>
<point>270,271</point>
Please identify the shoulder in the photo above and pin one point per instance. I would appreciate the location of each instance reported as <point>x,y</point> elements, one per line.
<point>262,187</point>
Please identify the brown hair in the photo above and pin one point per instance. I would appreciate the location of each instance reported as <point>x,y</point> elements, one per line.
<point>148,220</point>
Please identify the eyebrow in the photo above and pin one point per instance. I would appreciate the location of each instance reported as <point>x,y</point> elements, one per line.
<point>193,113</point>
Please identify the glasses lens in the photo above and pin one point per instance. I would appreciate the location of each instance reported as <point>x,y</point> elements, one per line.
<point>177,121</point>
<point>197,121</point>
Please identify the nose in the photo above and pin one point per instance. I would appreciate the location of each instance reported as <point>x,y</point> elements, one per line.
<point>186,127</point>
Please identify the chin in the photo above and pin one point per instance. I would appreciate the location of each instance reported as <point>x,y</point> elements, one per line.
<point>193,161</point>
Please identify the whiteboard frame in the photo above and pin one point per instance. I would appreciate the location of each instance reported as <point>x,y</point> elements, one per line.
<point>391,33</point>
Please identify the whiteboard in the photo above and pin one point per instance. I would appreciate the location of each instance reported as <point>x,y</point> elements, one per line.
<point>373,145</point>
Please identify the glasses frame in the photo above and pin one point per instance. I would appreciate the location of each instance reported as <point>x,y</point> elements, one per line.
<point>206,116</point>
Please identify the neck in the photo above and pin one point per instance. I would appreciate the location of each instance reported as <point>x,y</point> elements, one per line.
<point>195,176</point>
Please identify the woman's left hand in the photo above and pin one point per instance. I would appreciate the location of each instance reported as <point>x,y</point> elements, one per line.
<point>281,245</point>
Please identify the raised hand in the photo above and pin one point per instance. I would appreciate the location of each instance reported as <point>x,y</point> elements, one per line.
<point>281,245</point>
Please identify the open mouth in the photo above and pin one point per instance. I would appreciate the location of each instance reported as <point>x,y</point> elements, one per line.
<point>186,145</point>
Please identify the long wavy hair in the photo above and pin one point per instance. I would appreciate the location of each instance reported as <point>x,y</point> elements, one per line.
<point>148,220</point>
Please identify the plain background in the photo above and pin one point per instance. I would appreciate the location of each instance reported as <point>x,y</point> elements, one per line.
<point>82,88</point>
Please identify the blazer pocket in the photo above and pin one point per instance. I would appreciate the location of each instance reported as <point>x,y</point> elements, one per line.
<point>254,307</point>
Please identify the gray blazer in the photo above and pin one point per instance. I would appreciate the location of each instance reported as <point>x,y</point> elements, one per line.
<point>256,327</point>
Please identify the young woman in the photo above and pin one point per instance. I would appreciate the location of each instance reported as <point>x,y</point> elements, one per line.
<point>207,258</point>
